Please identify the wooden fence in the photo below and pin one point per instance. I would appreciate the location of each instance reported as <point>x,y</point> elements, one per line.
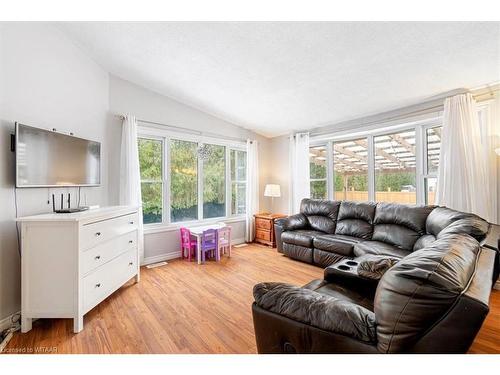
<point>382,196</point>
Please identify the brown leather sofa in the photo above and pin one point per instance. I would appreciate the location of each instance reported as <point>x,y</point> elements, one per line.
<point>398,279</point>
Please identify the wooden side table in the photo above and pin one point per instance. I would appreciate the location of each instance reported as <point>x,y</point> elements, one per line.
<point>264,228</point>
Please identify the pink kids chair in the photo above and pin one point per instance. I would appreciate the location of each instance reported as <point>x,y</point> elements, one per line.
<point>224,241</point>
<point>188,245</point>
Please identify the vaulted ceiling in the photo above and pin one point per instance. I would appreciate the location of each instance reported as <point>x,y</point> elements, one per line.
<point>273,78</point>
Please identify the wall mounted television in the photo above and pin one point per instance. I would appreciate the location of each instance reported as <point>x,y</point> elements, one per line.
<point>47,158</point>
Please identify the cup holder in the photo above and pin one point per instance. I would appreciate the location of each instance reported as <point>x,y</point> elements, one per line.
<point>351,263</point>
<point>343,267</point>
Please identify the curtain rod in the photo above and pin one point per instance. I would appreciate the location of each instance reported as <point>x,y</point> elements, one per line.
<point>160,125</point>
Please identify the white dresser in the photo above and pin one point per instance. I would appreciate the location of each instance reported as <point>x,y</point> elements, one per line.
<point>71,262</point>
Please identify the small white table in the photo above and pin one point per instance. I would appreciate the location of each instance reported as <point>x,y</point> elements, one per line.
<point>197,232</point>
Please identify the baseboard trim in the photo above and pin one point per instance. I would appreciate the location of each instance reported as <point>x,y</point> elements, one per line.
<point>7,321</point>
<point>177,254</point>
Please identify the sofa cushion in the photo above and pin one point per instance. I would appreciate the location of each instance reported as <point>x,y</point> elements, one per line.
<point>335,243</point>
<point>431,277</point>
<point>378,248</point>
<point>301,237</point>
<point>302,253</point>
<point>399,225</point>
<point>321,214</point>
<point>424,241</point>
<point>442,217</point>
<point>355,219</point>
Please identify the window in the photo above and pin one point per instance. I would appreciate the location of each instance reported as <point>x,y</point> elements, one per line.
<point>151,165</point>
<point>214,181</point>
<point>395,168</point>
<point>350,170</point>
<point>186,179</point>
<point>433,150</point>
<point>317,166</point>
<point>238,160</point>
<point>183,181</point>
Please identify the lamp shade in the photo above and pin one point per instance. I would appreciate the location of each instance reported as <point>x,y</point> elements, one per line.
<point>272,190</point>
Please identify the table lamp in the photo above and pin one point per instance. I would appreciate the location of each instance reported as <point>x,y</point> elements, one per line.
<point>273,191</point>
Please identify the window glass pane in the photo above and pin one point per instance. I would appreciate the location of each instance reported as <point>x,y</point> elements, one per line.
<point>433,149</point>
<point>183,181</point>
<point>317,162</point>
<point>238,161</point>
<point>214,180</point>
<point>152,202</point>
<point>318,189</point>
<point>151,166</point>
<point>350,167</point>
<point>395,178</point>
<point>150,159</point>
<point>430,190</point>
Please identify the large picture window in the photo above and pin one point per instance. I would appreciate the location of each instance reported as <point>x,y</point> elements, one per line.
<point>185,180</point>
<point>151,165</point>
<point>398,166</point>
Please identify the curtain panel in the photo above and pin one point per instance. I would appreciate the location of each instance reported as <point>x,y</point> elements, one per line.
<point>252,188</point>
<point>299,170</point>
<point>130,175</point>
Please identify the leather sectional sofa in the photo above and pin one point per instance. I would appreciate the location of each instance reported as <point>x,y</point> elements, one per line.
<point>398,279</point>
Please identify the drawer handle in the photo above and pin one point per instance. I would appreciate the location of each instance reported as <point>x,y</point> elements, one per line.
<point>131,264</point>
<point>97,257</point>
<point>97,234</point>
<point>131,222</point>
<point>130,241</point>
<point>98,285</point>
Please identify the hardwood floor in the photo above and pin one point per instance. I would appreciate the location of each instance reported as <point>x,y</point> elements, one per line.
<point>186,308</point>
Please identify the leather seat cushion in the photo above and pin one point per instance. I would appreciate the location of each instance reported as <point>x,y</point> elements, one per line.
<point>301,237</point>
<point>338,291</point>
<point>304,254</point>
<point>326,258</point>
<point>336,243</point>
<point>379,248</point>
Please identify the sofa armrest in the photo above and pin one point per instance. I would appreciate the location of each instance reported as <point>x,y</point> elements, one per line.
<point>294,222</point>
<point>318,310</point>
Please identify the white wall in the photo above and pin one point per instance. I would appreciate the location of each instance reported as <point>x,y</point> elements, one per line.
<point>45,81</point>
<point>126,97</point>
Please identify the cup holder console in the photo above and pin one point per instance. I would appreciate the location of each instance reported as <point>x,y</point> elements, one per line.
<point>347,267</point>
<point>351,263</point>
<point>344,267</point>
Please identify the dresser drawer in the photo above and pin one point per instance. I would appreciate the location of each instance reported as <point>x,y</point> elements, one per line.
<point>107,278</point>
<point>97,233</point>
<point>103,253</point>
<point>263,235</point>
<point>263,223</point>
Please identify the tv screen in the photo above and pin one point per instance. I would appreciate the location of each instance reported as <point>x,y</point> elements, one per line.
<point>47,158</point>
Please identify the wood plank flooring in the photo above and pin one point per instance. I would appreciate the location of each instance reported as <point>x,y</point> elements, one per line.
<point>186,308</point>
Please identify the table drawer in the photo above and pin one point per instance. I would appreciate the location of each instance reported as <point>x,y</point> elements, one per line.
<point>263,235</point>
<point>97,233</point>
<point>109,277</point>
<point>103,253</point>
<point>263,223</point>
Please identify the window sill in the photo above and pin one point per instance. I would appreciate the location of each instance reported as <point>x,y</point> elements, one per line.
<point>160,228</point>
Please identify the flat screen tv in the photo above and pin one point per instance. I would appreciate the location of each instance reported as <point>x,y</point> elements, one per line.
<point>46,158</point>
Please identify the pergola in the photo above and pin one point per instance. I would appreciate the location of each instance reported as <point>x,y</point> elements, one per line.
<point>393,153</point>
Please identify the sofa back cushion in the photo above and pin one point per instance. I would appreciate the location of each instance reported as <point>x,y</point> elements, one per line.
<point>399,225</point>
<point>444,220</point>
<point>356,219</point>
<point>321,214</point>
<point>434,276</point>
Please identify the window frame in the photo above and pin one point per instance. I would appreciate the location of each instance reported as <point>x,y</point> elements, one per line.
<point>229,186</point>
<point>420,127</point>
<point>166,135</point>
<point>326,146</point>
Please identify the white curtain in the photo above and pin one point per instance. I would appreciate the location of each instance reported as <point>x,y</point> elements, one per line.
<point>463,179</point>
<point>130,177</point>
<point>252,188</point>
<point>299,170</point>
